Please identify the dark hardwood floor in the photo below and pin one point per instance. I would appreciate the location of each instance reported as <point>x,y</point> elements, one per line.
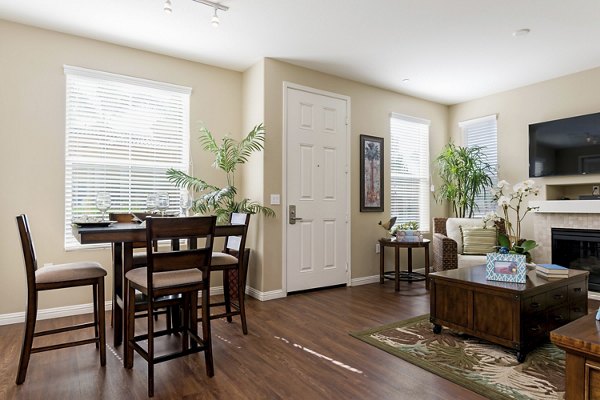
<point>297,348</point>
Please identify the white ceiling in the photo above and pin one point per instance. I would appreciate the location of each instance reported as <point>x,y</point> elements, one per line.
<point>451,50</point>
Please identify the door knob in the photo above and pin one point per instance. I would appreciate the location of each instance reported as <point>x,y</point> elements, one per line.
<point>292,215</point>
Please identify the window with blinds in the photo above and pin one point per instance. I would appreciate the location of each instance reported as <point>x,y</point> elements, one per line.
<point>409,165</point>
<point>483,132</point>
<point>122,134</point>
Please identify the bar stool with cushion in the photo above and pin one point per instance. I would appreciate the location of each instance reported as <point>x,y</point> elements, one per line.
<point>139,260</point>
<point>171,272</point>
<point>58,277</point>
<point>233,261</point>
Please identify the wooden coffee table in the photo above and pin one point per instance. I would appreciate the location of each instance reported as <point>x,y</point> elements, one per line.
<point>515,315</point>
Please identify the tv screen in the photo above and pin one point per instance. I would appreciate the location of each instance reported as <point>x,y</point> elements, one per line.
<point>568,146</point>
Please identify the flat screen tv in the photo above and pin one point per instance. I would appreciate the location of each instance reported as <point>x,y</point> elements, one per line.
<point>568,146</point>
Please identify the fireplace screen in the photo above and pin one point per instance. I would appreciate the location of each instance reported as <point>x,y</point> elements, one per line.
<point>578,249</point>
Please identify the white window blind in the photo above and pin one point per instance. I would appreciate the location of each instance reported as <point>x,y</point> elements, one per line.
<point>122,134</point>
<point>483,132</point>
<point>409,165</point>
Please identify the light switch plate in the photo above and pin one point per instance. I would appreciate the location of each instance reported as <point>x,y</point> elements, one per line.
<point>275,199</point>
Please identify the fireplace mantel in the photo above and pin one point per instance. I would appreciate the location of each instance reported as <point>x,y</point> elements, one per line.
<point>567,206</point>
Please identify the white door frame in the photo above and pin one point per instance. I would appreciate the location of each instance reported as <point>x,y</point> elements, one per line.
<point>284,202</point>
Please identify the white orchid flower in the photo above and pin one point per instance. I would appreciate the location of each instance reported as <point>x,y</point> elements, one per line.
<point>503,201</point>
<point>502,184</point>
<point>529,183</point>
<point>519,187</point>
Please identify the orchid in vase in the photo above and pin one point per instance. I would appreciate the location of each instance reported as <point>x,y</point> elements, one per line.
<point>512,212</point>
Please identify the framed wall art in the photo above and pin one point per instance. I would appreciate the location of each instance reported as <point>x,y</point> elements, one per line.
<point>371,173</point>
<point>506,267</point>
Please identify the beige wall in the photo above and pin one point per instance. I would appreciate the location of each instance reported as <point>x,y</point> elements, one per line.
<point>32,129</point>
<point>558,98</point>
<point>370,112</point>
<point>252,184</point>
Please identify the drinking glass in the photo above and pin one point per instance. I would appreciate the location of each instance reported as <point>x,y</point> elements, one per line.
<point>152,202</point>
<point>103,202</point>
<point>163,202</point>
<point>185,203</point>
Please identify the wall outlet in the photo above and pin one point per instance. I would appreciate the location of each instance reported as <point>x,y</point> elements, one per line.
<point>377,248</point>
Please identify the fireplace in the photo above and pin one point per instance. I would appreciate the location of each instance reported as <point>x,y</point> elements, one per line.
<point>578,249</point>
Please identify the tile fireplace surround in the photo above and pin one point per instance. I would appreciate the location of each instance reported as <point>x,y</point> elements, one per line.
<point>570,214</point>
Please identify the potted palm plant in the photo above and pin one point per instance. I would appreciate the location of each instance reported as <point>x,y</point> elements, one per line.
<point>465,174</point>
<point>229,154</point>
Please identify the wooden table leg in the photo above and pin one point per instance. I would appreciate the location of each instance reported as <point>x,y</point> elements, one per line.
<point>117,312</point>
<point>127,266</point>
<point>427,266</point>
<point>381,263</point>
<point>397,267</point>
<point>409,267</point>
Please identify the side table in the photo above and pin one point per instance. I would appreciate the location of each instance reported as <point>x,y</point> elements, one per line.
<point>398,275</point>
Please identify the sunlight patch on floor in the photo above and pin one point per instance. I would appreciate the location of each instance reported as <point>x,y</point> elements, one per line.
<point>114,352</point>
<point>226,340</point>
<point>319,355</point>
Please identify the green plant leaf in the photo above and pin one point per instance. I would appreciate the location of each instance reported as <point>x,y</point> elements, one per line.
<point>503,240</point>
<point>528,245</point>
<point>228,154</point>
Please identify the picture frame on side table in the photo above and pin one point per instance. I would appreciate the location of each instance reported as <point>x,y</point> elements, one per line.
<point>506,267</point>
<point>371,173</point>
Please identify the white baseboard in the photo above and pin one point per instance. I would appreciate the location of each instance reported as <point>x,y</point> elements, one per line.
<point>264,296</point>
<point>364,280</point>
<point>48,313</point>
<point>67,311</point>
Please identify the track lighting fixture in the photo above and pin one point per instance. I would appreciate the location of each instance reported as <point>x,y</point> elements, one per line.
<point>168,7</point>
<point>215,20</point>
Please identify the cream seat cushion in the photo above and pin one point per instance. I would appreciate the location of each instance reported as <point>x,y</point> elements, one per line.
<point>219,258</point>
<point>165,279</point>
<point>453,229</point>
<point>69,272</point>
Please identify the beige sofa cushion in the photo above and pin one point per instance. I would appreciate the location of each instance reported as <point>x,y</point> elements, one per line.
<point>453,229</point>
<point>470,261</point>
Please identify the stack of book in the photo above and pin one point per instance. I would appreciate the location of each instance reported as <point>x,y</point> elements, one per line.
<point>551,271</point>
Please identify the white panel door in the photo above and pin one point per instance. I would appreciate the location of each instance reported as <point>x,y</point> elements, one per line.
<point>317,160</point>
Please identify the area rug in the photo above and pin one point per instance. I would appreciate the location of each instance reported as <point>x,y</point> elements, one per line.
<point>480,366</point>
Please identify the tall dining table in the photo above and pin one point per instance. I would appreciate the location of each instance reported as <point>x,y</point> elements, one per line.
<point>122,236</point>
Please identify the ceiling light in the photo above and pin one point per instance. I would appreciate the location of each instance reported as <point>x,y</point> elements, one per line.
<point>168,7</point>
<point>405,80</point>
<point>521,32</point>
<point>215,20</point>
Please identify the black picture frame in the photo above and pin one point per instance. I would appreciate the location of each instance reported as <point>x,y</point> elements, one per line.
<point>371,173</point>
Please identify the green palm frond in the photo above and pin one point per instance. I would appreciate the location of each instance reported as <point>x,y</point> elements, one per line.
<point>207,140</point>
<point>228,155</point>
<point>254,141</point>
<point>181,179</point>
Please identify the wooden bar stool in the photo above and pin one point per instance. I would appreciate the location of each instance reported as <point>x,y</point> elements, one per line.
<point>233,261</point>
<point>58,277</point>
<point>177,275</point>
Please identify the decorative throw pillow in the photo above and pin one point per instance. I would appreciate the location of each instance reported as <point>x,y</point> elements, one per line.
<point>453,226</point>
<point>478,240</point>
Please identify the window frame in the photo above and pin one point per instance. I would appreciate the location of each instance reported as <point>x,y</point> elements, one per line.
<point>421,188</point>
<point>473,126</point>
<point>100,150</point>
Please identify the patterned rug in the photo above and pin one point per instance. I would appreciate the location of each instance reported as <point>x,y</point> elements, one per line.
<point>480,366</point>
